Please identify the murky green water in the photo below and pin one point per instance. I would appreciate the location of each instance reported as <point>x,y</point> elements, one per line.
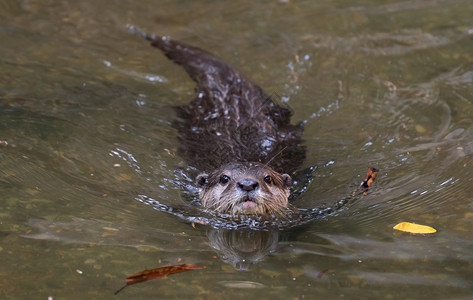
<point>85,125</point>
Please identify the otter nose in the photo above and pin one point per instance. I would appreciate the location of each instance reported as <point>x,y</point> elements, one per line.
<point>248,185</point>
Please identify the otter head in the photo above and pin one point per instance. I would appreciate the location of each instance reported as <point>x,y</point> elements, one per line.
<point>244,188</point>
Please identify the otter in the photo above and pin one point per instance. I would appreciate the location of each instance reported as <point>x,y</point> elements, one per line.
<point>238,137</point>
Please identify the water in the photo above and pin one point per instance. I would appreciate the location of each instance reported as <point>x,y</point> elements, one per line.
<point>86,113</point>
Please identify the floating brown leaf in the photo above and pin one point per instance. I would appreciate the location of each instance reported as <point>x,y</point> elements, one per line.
<point>156,273</point>
<point>370,177</point>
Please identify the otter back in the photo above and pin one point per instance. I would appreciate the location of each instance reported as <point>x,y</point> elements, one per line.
<point>231,119</point>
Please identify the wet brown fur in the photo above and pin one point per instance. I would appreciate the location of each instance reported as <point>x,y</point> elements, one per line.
<point>233,128</point>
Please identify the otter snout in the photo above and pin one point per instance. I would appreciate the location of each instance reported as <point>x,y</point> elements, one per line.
<point>247,185</point>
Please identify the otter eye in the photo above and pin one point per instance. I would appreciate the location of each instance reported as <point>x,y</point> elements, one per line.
<point>224,179</point>
<point>268,179</point>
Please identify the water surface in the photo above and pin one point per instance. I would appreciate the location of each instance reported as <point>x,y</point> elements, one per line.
<point>86,130</point>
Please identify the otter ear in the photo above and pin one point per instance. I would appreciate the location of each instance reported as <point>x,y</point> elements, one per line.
<point>287,180</point>
<point>201,180</point>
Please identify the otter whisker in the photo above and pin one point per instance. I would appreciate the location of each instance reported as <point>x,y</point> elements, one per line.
<point>275,155</point>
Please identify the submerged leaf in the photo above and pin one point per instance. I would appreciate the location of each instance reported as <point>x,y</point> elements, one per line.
<point>414,228</point>
<point>156,273</point>
<point>159,272</point>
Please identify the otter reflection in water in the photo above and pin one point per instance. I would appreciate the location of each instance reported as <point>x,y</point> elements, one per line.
<point>243,248</point>
<point>236,135</point>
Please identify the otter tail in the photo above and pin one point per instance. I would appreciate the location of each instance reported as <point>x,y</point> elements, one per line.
<point>203,67</point>
<point>197,62</point>
<point>207,70</point>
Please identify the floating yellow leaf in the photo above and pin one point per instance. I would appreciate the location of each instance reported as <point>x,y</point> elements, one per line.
<point>414,228</point>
